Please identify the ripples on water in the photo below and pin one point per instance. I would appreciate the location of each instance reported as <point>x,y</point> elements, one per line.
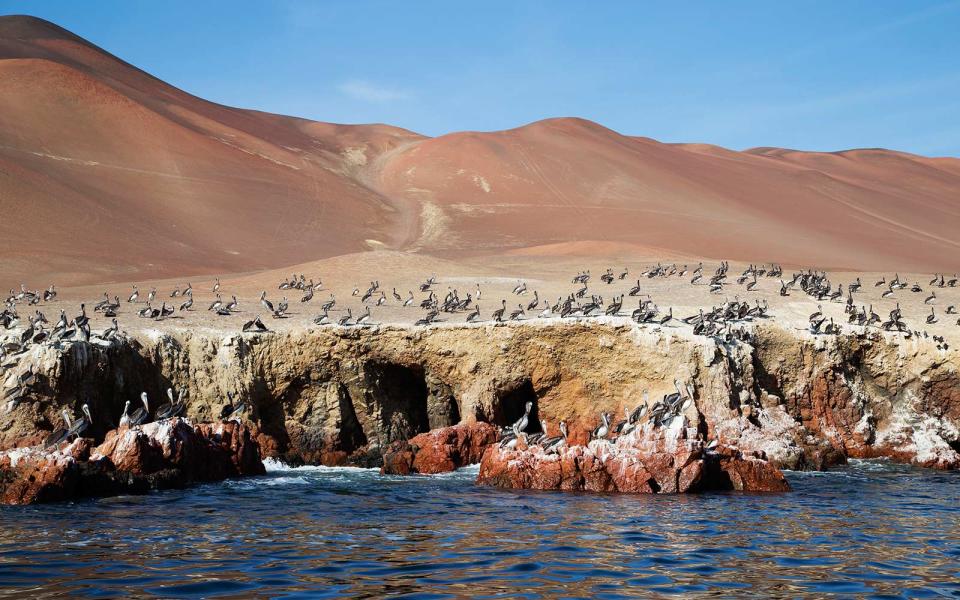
<point>870,529</point>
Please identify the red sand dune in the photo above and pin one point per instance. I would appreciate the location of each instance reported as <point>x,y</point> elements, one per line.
<point>107,173</point>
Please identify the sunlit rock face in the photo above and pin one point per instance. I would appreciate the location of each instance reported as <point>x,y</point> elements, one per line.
<point>335,396</point>
<point>164,454</point>
<point>649,460</point>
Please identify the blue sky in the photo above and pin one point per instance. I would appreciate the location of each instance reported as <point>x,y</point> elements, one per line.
<point>807,74</point>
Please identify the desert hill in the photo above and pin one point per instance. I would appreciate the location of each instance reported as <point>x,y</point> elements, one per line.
<point>109,174</point>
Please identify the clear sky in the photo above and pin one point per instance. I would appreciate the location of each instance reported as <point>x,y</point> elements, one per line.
<point>817,75</point>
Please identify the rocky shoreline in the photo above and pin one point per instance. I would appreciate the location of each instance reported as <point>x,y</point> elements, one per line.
<point>647,461</point>
<point>337,396</point>
<point>172,453</point>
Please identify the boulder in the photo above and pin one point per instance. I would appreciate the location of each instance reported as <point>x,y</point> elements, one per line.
<point>650,460</point>
<point>441,450</point>
<point>163,454</point>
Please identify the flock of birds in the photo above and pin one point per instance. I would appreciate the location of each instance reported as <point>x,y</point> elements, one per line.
<point>175,407</point>
<point>727,321</point>
<point>664,413</point>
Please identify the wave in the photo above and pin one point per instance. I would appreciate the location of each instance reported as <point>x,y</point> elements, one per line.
<point>275,465</point>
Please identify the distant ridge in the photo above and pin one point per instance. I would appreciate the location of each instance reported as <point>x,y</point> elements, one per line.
<point>108,173</point>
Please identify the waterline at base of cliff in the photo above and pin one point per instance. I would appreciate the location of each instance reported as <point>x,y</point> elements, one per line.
<point>871,527</point>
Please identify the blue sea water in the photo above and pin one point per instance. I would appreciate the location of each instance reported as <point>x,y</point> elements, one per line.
<point>871,529</point>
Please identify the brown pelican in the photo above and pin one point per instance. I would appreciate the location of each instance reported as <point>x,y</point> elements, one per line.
<point>60,434</point>
<point>474,315</point>
<point>266,303</point>
<point>173,408</point>
<point>125,417</point>
<point>231,411</point>
<point>81,424</point>
<point>142,414</point>
<point>498,314</point>
<point>255,325</point>
<point>554,444</point>
<point>509,441</point>
<point>603,429</point>
<point>364,318</point>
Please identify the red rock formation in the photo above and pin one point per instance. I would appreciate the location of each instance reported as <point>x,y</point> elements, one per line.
<point>170,453</point>
<point>441,450</point>
<point>652,461</point>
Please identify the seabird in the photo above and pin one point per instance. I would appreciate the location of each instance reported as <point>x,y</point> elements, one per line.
<point>174,408</point>
<point>255,325</point>
<point>142,414</point>
<point>554,444</point>
<point>474,315</point>
<point>81,424</point>
<point>231,411</point>
<point>364,318</point>
<point>498,314</point>
<point>603,429</point>
<point>60,434</point>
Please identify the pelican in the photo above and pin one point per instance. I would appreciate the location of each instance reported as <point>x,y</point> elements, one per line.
<point>60,434</point>
<point>174,408</point>
<point>81,424</point>
<point>134,296</point>
<point>142,414</point>
<point>364,318</point>
<point>538,437</point>
<point>509,441</point>
<point>266,303</point>
<point>125,417</point>
<point>474,315</point>
<point>554,444</point>
<point>255,325</point>
<point>498,314</point>
<point>231,411</point>
<point>534,302</point>
<point>603,429</point>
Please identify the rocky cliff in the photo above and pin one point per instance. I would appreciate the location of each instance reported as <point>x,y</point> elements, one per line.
<point>337,396</point>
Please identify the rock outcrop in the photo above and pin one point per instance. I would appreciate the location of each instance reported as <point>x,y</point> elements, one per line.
<point>441,450</point>
<point>332,395</point>
<point>159,455</point>
<point>649,461</point>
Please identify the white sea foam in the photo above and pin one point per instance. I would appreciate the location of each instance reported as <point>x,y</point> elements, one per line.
<point>274,465</point>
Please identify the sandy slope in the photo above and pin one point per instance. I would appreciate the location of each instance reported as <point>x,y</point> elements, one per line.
<point>109,174</point>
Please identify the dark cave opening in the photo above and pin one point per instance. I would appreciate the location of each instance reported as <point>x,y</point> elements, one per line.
<point>509,405</point>
<point>402,394</point>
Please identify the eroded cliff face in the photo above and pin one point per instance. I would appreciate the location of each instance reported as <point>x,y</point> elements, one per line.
<point>336,396</point>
